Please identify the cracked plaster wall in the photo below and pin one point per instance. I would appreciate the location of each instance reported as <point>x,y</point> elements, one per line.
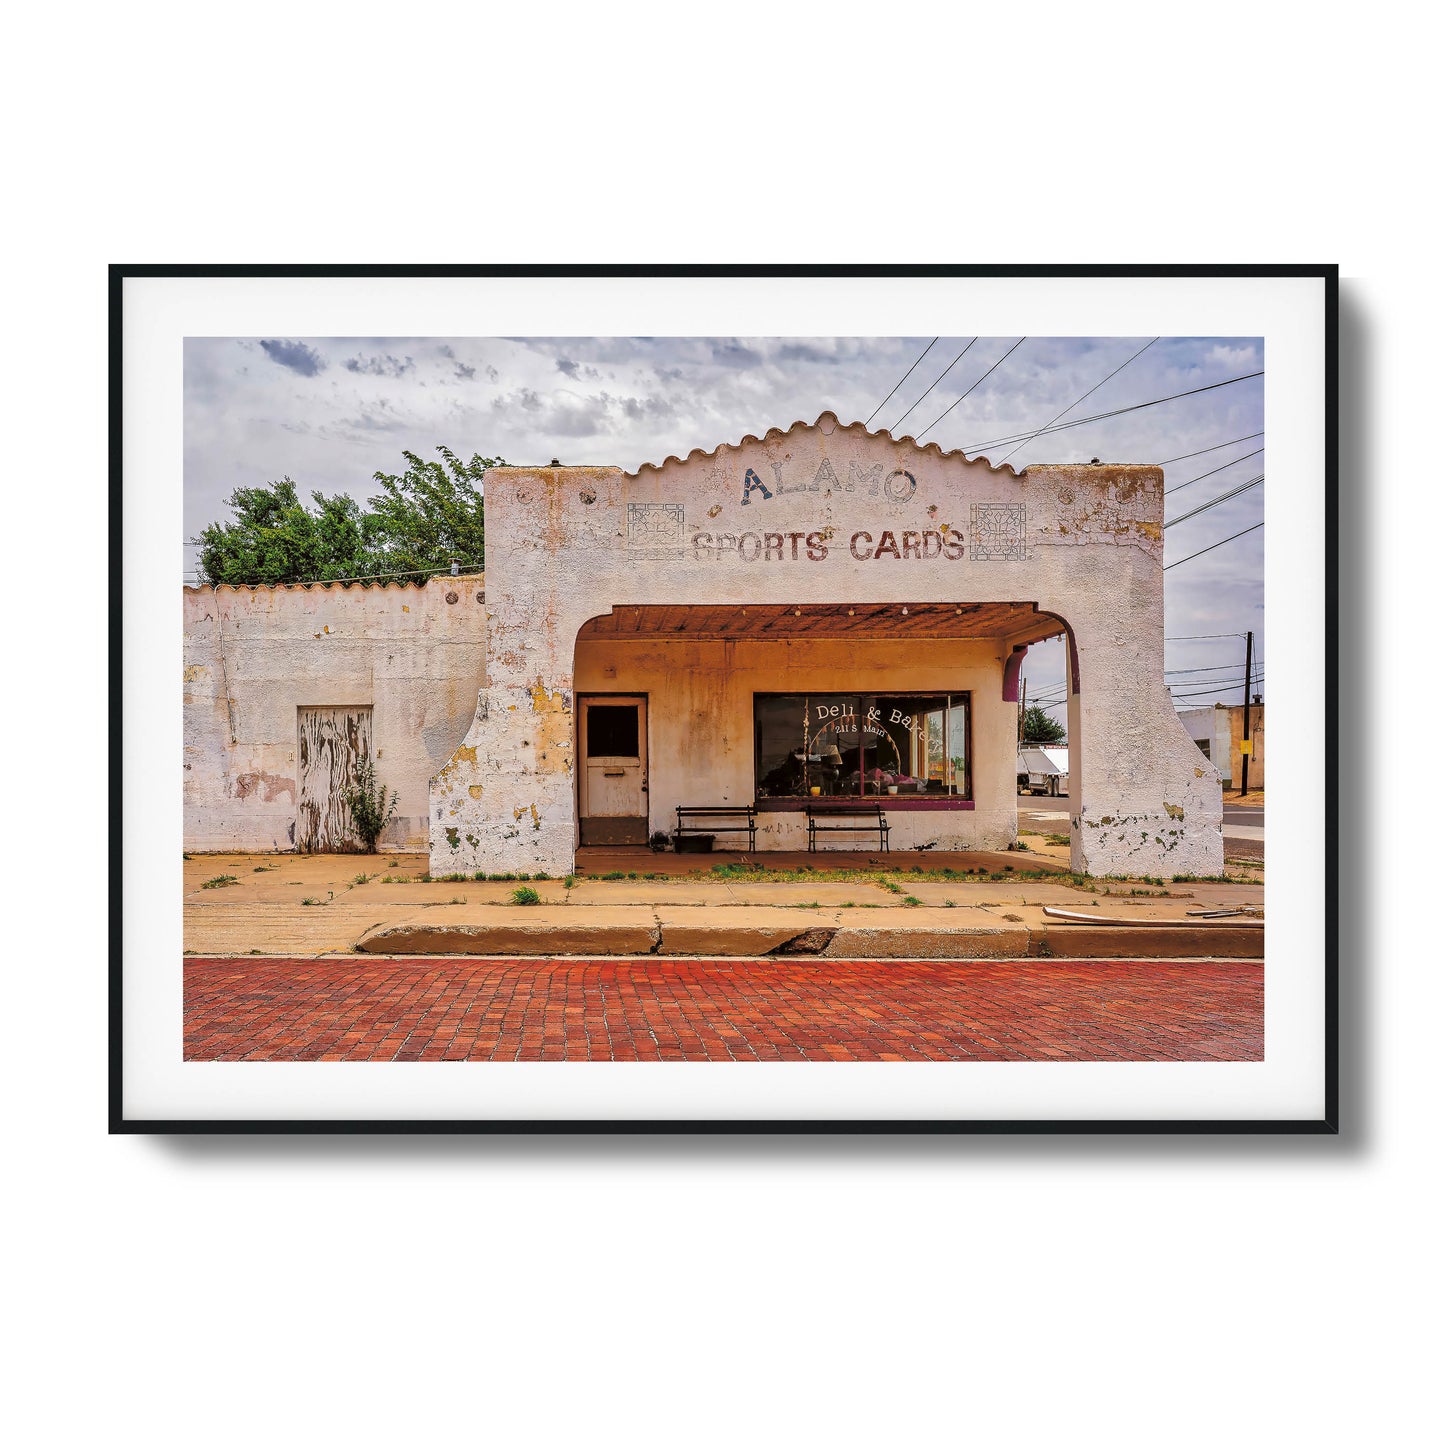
<point>253,657</point>
<point>1083,542</point>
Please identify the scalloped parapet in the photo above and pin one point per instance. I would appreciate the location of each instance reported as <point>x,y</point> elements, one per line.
<point>341,584</point>
<point>827,423</point>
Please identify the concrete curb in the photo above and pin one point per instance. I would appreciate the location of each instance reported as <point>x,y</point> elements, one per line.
<point>810,937</point>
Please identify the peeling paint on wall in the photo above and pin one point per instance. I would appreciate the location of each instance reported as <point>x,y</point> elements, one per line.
<point>419,666</point>
<point>939,527</point>
<point>267,786</point>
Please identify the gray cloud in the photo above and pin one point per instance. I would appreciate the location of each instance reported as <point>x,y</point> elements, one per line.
<point>295,355</point>
<point>575,370</point>
<point>381,365</point>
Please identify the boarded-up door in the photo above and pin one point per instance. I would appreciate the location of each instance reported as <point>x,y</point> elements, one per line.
<point>331,742</point>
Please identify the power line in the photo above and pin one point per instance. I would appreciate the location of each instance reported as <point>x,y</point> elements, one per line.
<point>1169,491</point>
<point>1119,411</point>
<point>901,380</point>
<point>981,379</point>
<point>1203,451</point>
<point>1083,398</point>
<point>944,373</point>
<point>1217,667</point>
<point>1230,686</point>
<point>1205,637</point>
<point>1212,546</point>
<point>1223,497</point>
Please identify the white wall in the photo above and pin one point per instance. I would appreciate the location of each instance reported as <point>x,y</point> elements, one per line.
<point>253,657</point>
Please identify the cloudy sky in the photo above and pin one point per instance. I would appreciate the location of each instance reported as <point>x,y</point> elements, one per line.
<point>330,412</point>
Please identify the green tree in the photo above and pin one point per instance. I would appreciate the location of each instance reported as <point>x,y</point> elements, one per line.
<point>426,517</point>
<point>433,512</point>
<point>1039,727</point>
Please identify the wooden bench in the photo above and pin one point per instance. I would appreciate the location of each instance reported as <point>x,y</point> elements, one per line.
<point>735,820</point>
<point>864,818</point>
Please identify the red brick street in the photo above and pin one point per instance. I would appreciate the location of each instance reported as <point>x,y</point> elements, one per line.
<point>628,1009</point>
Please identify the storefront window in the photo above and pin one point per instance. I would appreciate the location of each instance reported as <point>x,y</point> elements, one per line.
<point>862,745</point>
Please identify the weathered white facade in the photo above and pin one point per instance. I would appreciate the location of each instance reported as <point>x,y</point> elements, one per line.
<point>639,636</point>
<point>257,660</point>
<point>953,565</point>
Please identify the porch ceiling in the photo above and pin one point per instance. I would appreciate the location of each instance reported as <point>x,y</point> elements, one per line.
<point>1012,622</point>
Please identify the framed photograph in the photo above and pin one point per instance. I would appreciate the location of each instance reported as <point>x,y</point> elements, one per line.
<point>711,699</point>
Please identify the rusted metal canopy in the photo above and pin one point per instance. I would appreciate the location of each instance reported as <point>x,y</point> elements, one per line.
<point>1013,622</point>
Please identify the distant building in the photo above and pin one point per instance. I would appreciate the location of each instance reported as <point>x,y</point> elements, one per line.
<point>1219,730</point>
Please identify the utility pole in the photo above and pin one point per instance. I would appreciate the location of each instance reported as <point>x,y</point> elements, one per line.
<point>1248,689</point>
<point>1023,708</point>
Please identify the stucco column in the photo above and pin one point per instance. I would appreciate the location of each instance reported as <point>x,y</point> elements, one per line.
<point>505,802</point>
<point>1143,800</point>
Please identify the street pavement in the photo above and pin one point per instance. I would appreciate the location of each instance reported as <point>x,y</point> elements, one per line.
<point>655,1009</point>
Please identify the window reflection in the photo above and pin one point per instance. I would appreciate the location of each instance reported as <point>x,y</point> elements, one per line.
<point>862,745</point>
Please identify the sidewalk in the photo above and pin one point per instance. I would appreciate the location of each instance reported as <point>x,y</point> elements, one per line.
<point>833,905</point>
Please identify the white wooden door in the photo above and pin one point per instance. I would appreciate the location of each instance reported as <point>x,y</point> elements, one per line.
<point>612,742</point>
<point>331,741</point>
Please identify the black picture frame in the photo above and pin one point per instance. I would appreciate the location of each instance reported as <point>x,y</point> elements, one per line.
<point>120,1122</point>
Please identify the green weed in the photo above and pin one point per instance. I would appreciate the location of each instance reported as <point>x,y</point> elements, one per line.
<point>221,880</point>
<point>525,897</point>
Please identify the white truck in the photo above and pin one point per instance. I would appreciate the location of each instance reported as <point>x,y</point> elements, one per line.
<point>1043,770</point>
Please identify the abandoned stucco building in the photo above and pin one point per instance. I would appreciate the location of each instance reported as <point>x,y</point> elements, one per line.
<point>819,619</point>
